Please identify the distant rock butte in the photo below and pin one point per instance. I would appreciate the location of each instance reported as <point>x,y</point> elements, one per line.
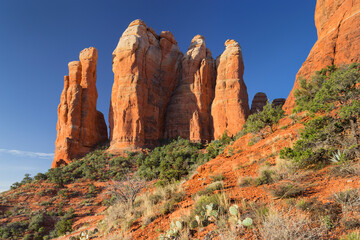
<point>278,102</point>
<point>230,107</point>
<point>337,23</point>
<point>80,126</point>
<point>259,101</point>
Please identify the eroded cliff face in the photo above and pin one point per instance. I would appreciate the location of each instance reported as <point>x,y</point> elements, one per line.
<point>188,114</point>
<point>337,23</point>
<point>230,107</point>
<point>146,68</point>
<point>80,126</point>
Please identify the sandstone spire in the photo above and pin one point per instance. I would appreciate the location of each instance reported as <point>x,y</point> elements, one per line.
<point>337,23</point>
<point>230,107</point>
<point>80,126</point>
<point>146,68</point>
<point>188,114</point>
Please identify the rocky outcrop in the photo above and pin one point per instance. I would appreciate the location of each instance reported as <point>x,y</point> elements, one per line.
<point>230,107</point>
<point>259,101</point>
<point>146,68</point>
<point>337,23</point>
<point>188,114</point>
<point>278,102</point>
<point>80,126</point>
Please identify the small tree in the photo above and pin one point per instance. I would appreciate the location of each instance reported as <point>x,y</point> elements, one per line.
<point>126,190</point>
<point>266,118</point>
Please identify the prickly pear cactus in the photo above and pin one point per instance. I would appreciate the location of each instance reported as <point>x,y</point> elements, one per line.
<point>214,214</point>
<point>178,225</point>
<point>247,222</point>
<point>234,210</point>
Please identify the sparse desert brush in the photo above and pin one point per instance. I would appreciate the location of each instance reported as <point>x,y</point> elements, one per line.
<point>349,201</point>
<point>289,225</point>
<point>345,169</point>
<point>351,236</point>
<point>288,190</point>
<point>209,189</point>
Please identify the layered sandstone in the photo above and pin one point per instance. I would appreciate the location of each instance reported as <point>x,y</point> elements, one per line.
<point>337,23</point>
<point>259,101</point>
<point>80,126</point>
<point>188,114</point>
<point>230,107</point>
<point>146,68</point>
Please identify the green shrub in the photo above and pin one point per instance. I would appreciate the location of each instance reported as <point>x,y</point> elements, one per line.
<point>37,222</point>
<point>211,188</point>
<point>170,162</point>
<point>331,88</point>
<point>13,230</point>
<point>64,225</point>
<point>266,118</point>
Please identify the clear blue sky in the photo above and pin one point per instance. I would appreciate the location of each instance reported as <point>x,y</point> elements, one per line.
<point>39,37</point>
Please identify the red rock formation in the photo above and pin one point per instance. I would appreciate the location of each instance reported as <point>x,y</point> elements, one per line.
<point>278,102</point>
<point>337,23</point>
<point>259,101</point>
<point>188,113</point>
<point>230,107</point>
<point>146,68</point>
<point>80,126</point>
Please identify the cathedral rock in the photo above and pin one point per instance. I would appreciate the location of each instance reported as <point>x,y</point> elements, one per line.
<point>80,126</point>
<point>337,23</point>
<point>158,93</point>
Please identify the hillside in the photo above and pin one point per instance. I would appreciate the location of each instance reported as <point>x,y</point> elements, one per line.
<point>252,186</point>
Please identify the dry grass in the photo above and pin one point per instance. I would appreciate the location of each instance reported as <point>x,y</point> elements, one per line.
<point>289,225</point>
<point>146,206</point>
<point>346,169</point>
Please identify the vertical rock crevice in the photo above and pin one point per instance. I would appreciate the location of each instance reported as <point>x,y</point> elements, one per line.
<point>188,113</point>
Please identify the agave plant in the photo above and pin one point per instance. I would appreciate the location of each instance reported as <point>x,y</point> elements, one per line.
<point>337,157</point>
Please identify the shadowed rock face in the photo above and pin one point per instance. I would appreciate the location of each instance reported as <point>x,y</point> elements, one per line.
<point>230,107</point>
<point>278,102</point>
<point>188,114</point>
<point>259,101</point>
<point>80,126</point>
<point>337,23</point>
<point>146,68</point>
